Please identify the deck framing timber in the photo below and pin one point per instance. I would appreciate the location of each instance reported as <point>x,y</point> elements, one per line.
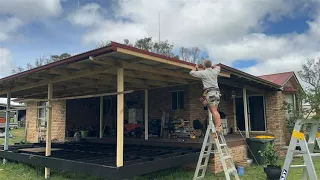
<point>99,159</point>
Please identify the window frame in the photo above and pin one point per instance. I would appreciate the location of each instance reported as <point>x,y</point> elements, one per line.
<point>177,100</point>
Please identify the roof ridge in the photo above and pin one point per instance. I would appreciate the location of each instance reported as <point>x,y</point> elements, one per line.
<point>276,73</point>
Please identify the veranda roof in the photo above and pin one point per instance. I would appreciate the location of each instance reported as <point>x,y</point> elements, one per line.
<point>95,72</point>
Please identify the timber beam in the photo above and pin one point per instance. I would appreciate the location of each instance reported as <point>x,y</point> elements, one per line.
<point>229,82</point>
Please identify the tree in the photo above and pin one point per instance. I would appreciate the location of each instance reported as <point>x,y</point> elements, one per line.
<point>55,58</point>
<point>185,54</point>
<point>310,74</point>
<point>162,47</point>
<point>192,55</point>
<point>42,61</point>
<point>18,70</point>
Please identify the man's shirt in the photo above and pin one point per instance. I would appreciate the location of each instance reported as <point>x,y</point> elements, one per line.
<point>208,76</point>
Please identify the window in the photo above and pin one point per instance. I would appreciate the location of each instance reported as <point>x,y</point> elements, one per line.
<point>290,100</point>
<point>42,114</point>
<point>177,100</point>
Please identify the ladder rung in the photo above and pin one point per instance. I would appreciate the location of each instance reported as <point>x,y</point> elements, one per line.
<point>298,152</point>
<point>206,155</point>
<point>200,177</point>
<point>202,166</point>
<point>223,144</point>
<point>211,152</point>
<point>231,170</point>
<point>227,157</point>
<point>298,166</point>
<point>311,154</point>
<point>209,143</point>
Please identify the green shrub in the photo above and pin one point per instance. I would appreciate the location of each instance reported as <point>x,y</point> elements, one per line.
<point>270,155</point>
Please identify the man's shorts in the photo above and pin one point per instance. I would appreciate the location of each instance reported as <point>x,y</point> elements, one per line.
<point>213,98</point>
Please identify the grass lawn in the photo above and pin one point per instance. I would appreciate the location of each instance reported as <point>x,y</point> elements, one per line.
<point>13,171</point>
<point>18,136</point>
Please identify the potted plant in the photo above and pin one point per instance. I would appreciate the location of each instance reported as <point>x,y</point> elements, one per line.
<point>272,169</point>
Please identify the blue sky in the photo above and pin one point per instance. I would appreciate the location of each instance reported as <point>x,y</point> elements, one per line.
<point>258,38</point>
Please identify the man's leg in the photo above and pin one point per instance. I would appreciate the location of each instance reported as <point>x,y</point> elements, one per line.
<point>216,117</point>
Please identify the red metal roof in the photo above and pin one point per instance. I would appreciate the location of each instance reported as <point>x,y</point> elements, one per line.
<point>279,78</point>
<point>290,89</point>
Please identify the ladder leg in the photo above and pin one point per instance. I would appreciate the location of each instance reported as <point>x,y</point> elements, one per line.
<point>226,149</point>
<point>209,149</point>
<point>203,149</point>
<point>309,170</point>
<point>289,155</point>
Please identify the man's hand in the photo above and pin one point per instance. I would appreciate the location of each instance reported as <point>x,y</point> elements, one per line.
<point>214,66</point>
<point>196,68</point>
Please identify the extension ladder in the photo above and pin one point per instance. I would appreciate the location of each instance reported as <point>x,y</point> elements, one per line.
<point>298,139</point>
<point>212,137</point>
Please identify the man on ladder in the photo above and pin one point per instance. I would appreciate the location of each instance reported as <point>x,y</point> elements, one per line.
<point>211,94</point>
<point>214,135</point>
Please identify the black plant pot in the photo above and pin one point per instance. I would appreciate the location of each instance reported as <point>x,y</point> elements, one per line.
<point>273,172</point>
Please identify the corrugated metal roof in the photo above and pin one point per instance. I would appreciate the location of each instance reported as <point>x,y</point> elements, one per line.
<point>279,78</point>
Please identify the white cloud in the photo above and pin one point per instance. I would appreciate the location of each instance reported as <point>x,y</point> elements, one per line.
<point>87,15</point>
<point>9,26</point>
<point>20,12</point>
<point>5,62</point>
<point>31,9</point>
<point>223,28</point>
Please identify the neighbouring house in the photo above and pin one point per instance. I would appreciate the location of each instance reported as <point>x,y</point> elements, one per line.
<point>17,117</point>
<point>151,89</point>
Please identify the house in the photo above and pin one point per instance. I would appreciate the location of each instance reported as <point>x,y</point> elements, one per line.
<point>101,91</point>
<point>16,116</point>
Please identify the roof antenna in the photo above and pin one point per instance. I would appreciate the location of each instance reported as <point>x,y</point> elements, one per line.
<point>159,25</point>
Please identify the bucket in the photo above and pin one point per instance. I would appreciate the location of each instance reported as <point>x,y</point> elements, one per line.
<point>84,133</point>
<point>241,170</point>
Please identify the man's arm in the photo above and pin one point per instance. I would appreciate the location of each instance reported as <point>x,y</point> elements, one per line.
<point>216,68</point>
<point>195,72</point>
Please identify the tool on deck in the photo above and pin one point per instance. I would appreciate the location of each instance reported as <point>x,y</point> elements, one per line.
<point>212,137</point>
<point>298,139</point>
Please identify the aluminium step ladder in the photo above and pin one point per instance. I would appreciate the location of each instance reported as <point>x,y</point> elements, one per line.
<point>298,139</point>
<point>211,138</point>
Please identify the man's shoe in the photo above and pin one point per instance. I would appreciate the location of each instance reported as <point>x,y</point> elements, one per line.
<point>219,129</point>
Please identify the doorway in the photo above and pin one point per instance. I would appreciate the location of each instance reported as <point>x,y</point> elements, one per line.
<point>256,113</point>
<point>240,114</point>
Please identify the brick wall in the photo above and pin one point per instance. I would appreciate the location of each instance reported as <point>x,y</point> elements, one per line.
<point>160,100</point>
<point>58,121</point>
<point>238,153</point>
<point>275,115</point>
<point>32,123</point>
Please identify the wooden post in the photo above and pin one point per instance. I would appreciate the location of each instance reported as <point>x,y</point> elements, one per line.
<point>120,117</point>
<point>101,117</point>
<point>245,107</point>
<point>146,118</point>
<point>48,133</point>
<point>6,137</point>
<point>234,116</point>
